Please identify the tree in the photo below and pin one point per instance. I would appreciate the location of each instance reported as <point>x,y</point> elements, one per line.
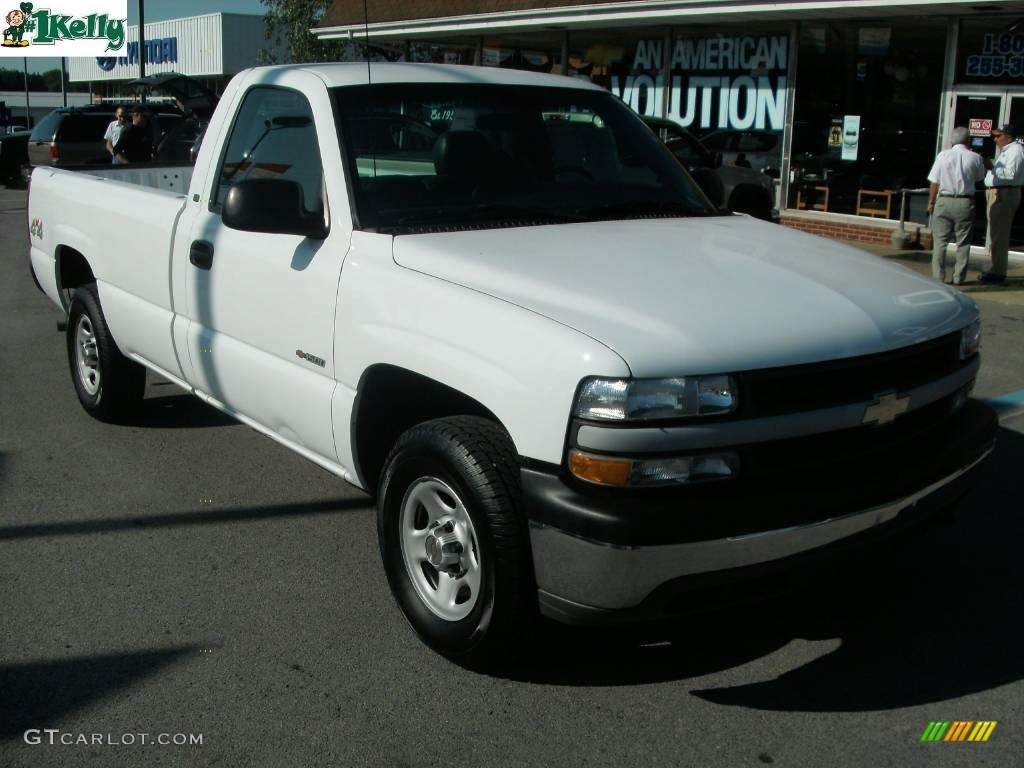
<point>288,25</point>
<point>14,80</point>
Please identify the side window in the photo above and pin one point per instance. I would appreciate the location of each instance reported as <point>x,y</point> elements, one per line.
<point>46,128</point>
<point>756,142</point>
<point>274,137</point>
<point>689,152</point>
<point>83,128</point>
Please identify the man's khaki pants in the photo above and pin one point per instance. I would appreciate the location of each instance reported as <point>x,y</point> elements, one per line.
<point>952,219</point>
<point>1002,205</point>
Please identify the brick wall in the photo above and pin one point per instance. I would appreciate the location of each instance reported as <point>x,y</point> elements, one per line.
<point>844,229</point>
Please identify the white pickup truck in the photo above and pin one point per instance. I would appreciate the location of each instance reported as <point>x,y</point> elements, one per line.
<point>495,301</point>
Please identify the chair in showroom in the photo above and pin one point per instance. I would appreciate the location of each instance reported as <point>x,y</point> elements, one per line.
<point>874,199</point>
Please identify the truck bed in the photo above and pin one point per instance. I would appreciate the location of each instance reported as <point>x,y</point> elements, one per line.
<point>123,220</point>
<point>173,178</point>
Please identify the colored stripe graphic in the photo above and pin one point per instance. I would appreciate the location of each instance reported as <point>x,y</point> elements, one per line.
<point>954,730</point>
<point>958,730</point>
<point>984,730</point>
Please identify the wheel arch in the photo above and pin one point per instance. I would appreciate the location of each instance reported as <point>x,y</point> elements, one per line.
<point>383,409</point>
<point>73,271</point>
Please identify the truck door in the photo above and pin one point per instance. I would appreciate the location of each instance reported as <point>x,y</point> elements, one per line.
<point>262,305</point>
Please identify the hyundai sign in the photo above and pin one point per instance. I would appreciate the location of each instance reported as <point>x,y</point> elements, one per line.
<point>159,51</point>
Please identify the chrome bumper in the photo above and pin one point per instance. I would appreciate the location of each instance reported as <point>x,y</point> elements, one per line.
<point>575,572</point>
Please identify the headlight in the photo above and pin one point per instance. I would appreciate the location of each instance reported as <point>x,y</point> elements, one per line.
<point>648,399</point>
<point>970,339</point>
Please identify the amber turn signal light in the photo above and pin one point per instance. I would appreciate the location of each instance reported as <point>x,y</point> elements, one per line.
<point>595,469</point>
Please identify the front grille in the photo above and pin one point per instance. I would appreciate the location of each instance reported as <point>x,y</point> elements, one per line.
<point>776,391</point>
<point>836,458</point>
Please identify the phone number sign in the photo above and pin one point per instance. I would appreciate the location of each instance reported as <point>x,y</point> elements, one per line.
<point>1001,57</point>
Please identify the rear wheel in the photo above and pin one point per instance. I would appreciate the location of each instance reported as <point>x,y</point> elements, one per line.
<point>109,385</point>
<point>454,541</point>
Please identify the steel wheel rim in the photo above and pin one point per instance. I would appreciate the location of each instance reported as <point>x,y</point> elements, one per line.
<point>429,507</point>
<point>87,356</point>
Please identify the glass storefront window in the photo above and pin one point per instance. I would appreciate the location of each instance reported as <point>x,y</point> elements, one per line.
<point>989,91</point>
<point>442,53</point>
<point>866,113</point>
<point>537,52</point>
<point>727,86</point>
<point>990,52</point>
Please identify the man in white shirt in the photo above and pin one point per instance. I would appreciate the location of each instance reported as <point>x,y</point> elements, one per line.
<point>951,203</point>
<point>1004,182</point>
<point>113,133</point>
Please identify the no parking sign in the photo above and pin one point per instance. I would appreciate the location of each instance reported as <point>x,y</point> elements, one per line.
<point>979,126</point>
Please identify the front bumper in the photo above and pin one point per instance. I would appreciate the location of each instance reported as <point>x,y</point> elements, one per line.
<point>603,558</point>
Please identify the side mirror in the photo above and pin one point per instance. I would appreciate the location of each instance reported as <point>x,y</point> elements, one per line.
<point>271,205</point>
<point>710,185</point>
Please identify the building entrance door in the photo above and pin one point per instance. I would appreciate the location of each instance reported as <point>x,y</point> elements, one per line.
<point>980,112</point>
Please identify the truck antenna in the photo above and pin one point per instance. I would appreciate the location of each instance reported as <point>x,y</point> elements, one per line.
<point>366,48</point>
<point>366,40</point>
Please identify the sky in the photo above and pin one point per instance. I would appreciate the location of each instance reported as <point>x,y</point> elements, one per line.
<point>160,10</point>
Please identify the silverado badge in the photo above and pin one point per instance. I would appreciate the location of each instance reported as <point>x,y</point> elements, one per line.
<point>310,358</point>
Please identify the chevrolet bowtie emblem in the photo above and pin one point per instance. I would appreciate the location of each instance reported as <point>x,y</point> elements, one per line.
<point>886,409</point>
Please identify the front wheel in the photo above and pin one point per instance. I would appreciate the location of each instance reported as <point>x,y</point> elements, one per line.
<point>109,385</point>
<point>453,540</point>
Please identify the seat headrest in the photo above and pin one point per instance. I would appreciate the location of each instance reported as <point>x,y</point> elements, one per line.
<point>461,154</point>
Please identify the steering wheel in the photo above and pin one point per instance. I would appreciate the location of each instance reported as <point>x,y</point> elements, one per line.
<point>577,169</point>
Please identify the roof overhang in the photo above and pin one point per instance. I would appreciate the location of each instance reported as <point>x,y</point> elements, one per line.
<point>660,12</point>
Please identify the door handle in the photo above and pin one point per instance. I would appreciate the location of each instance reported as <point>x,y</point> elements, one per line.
<point>201,254</point>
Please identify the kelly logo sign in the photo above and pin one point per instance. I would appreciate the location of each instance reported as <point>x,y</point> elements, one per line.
<point>77,28</point>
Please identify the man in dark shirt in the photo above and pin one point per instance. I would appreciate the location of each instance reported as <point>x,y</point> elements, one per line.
<point>136,142</point>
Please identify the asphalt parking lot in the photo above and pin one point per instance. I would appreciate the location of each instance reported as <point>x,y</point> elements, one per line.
<point>185,575</point>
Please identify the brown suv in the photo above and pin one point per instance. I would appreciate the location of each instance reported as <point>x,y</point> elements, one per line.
<point>74,136</point>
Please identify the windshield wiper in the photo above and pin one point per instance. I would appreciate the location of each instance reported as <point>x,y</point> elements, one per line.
<point>640,207</point>
<point>504,211</point>
<point>448,219</point>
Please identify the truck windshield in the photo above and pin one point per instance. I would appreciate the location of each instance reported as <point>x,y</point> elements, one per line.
<point>433,157</point>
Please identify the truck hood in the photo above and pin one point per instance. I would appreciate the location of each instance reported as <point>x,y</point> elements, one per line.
<point>697,295</point>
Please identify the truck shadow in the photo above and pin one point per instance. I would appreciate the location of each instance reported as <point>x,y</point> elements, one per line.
<point>922,619</point>
<point>40,694</point>
<point>179,412</point>
<point>176,519</point>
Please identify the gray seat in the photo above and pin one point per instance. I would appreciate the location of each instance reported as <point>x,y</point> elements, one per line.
<point>462,156</point>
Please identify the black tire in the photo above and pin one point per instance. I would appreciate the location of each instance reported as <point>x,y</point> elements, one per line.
<point>115,393</point>
<point>476,459</point>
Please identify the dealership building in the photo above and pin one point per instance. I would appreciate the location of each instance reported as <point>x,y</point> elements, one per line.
<point>845,102</point>
<point>209,48</point>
